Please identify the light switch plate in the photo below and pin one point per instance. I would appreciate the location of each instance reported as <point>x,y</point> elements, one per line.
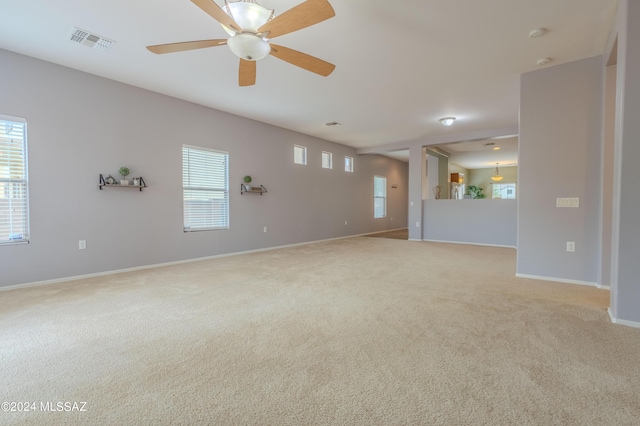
<point>568,202</point>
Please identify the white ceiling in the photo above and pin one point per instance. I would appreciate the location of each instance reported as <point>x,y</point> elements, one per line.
<point>400,65</point>
<point>482,155</point>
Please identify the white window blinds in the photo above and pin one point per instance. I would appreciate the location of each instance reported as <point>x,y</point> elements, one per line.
<point>205,188</point>
<point>14,200</point>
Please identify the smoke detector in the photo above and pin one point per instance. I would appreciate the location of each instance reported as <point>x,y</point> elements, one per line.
<point>89,39</point>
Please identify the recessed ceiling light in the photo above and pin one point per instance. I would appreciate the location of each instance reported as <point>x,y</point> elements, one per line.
<point>332,123</point>
<point>447,121</point>
<point>543,61</point>
<point>538,32</point>
<point>496,148</point>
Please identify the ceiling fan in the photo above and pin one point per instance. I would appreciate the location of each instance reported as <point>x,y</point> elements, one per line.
<point>251,26</point>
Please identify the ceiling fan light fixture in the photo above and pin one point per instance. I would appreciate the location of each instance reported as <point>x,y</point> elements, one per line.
<point>249,46</point>
<point>248,14</point>
<point>447,121</point>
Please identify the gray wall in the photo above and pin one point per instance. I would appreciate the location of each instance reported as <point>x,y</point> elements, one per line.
<point>80,125</point>
<point>560,140</point>
<point>488,222</point>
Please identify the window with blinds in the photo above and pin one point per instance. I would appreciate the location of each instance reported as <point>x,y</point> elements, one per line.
<point>205,189</point>
<point>14,197</point>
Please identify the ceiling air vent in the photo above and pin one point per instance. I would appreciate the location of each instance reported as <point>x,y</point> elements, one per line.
<point>91,40</point>
<point>332,123</point>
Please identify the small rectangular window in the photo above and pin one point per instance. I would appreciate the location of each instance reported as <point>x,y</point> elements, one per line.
<point>504,191</point>
<point>14,197</point>
<point>205,189</point>
<point>379,197</point>
<point>300,154</point>
<point>348,164</point>
<point>327,160</point>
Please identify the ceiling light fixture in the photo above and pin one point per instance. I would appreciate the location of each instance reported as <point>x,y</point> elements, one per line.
<point>538,32</point>
<point>543,61</point>
<point>496,148</point>
<point>249,15</point>
<point>447,121</point>
<point>497,177</point>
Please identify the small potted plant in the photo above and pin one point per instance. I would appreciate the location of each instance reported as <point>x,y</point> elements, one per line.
<point>475,192</point>
<point>247,181</point>
<point>124,172</point>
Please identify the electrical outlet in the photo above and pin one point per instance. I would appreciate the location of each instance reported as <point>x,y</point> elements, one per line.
<point>411,204</point>
<point>82,245</point>
<point>265,229</point>
<point>391,218</point>
<point>417,224</point>
<point>571,246</point>
<point>345,223</point>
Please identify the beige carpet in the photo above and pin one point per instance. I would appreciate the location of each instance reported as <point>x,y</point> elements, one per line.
<point>361,331</point>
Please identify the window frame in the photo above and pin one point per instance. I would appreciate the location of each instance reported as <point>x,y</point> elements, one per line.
<point>506,185</point>
<point>304,154</point>
<point>329,164</point>
<point>383,197</point>
<point>348,164</point>
<point>212,173</point>
<point>11,184</point>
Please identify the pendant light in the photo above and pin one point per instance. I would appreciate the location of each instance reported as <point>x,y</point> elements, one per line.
<point>497,177</point>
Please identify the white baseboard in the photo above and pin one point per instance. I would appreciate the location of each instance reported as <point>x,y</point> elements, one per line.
<point>381,232</point>
<point>469,244</point>
<point>177,262</point>
<point>561,280</point>
<point>634,324</point>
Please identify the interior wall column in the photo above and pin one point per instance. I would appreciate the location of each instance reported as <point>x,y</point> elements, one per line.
<point>625,269</point>
<point>417,166</point>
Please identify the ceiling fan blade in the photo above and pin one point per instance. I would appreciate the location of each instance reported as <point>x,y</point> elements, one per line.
<point>247,73</point>
<point>302,60</point>
<point>302,16</point>
<point>216,12</point>
<point>185,45</point>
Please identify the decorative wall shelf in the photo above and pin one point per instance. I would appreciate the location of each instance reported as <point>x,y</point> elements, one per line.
<point>104,183</point>
<point>252,189</point>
